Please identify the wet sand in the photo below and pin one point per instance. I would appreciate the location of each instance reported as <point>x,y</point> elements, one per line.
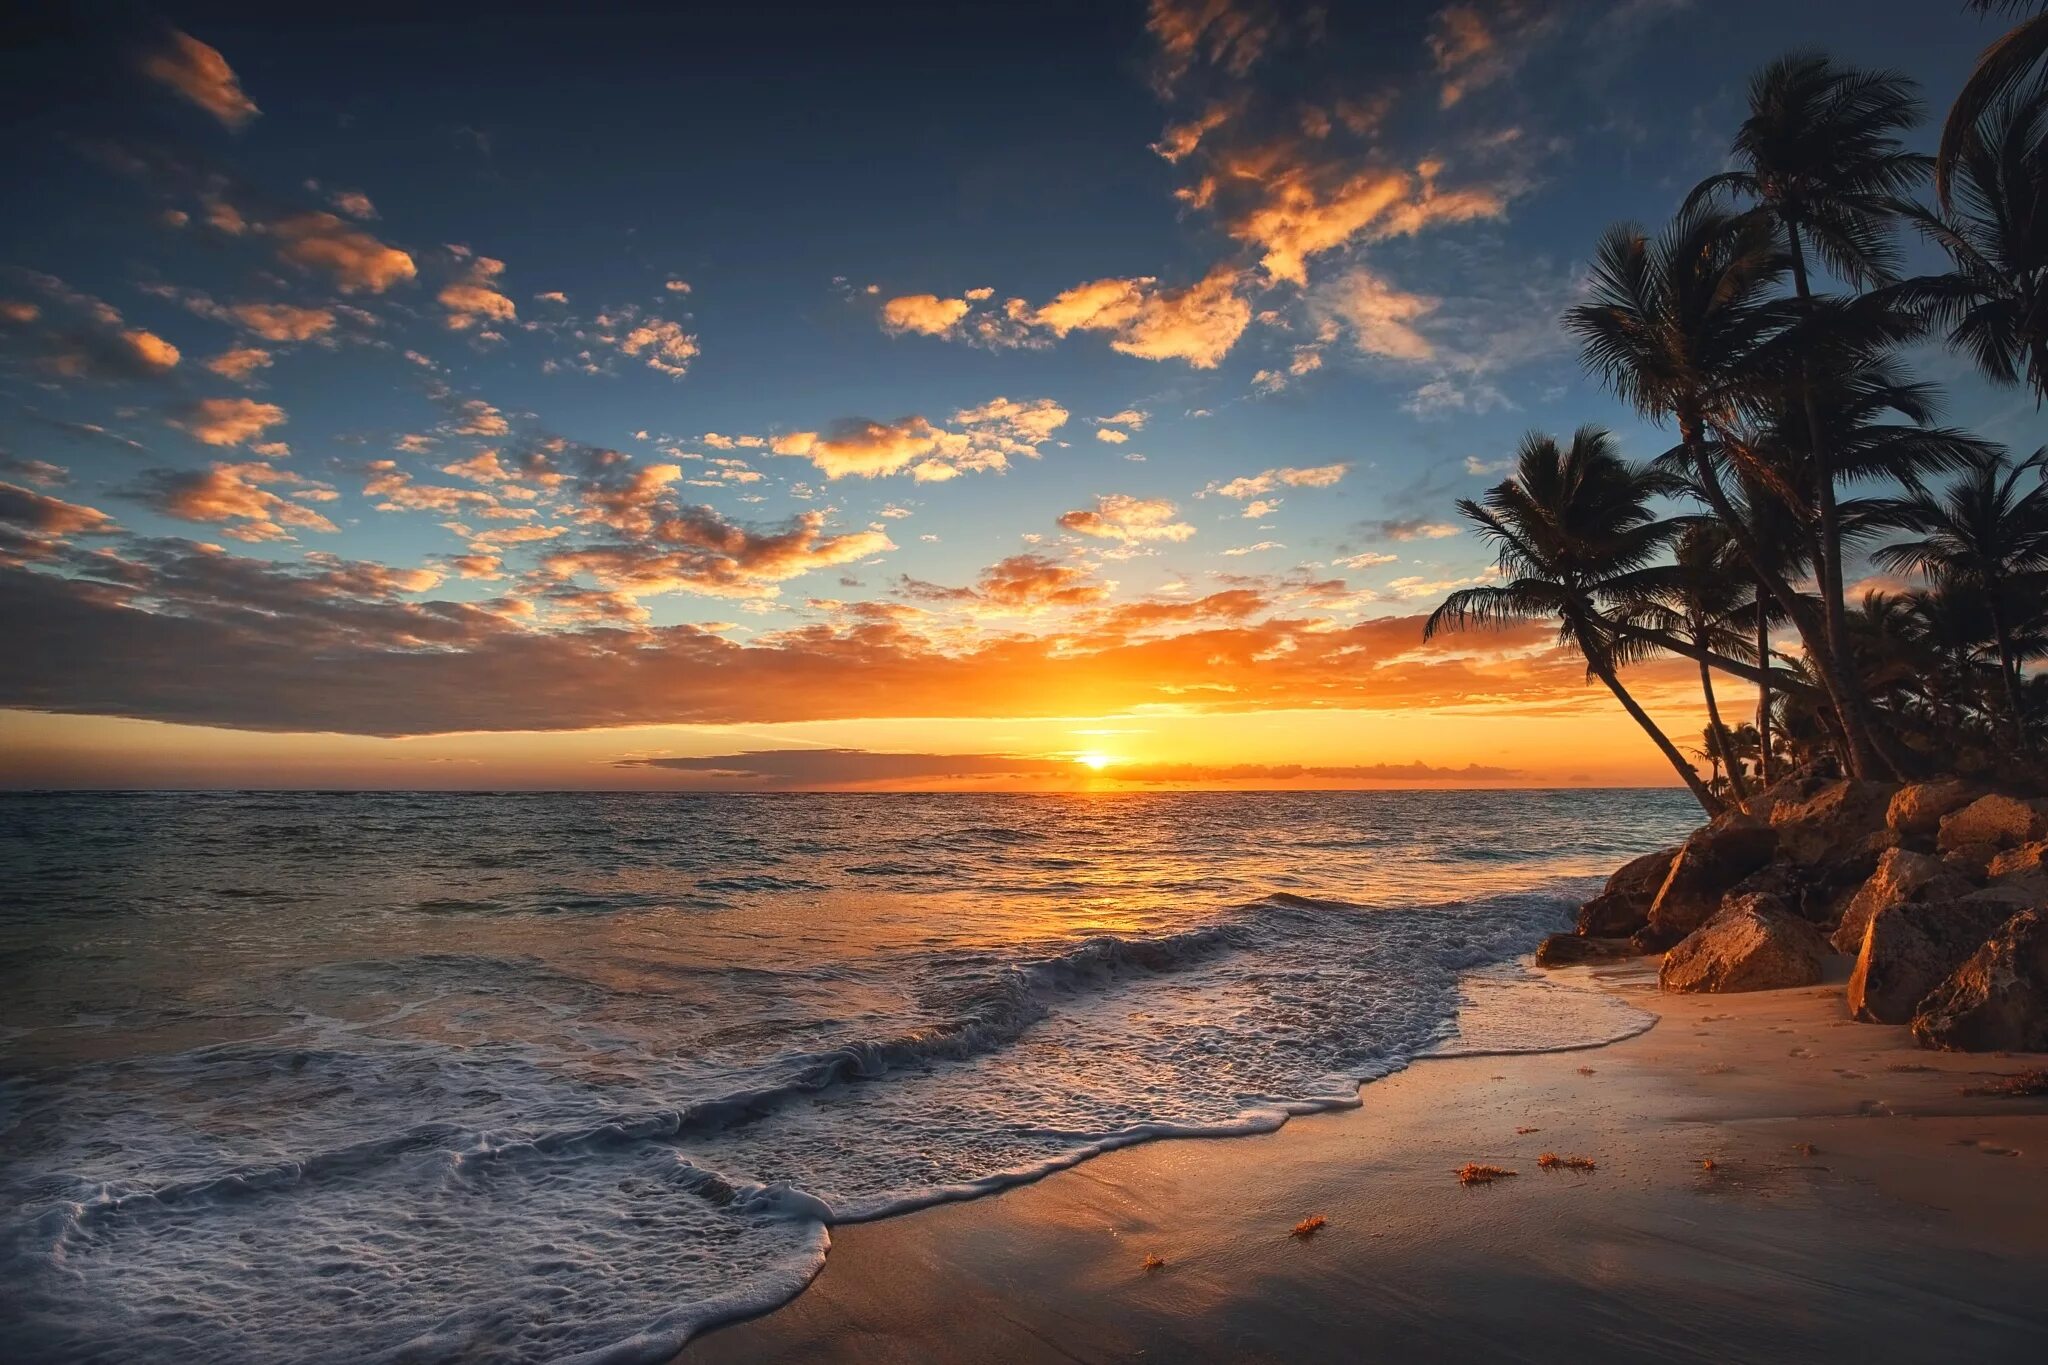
<point>1915,1230</point>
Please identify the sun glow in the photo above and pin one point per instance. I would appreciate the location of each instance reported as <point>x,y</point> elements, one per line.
<point>1094,761</point>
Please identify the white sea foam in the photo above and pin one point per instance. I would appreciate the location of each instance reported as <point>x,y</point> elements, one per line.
<point>572,1119</point>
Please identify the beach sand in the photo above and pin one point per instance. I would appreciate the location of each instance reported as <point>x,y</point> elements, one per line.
<point>1916,1230</point>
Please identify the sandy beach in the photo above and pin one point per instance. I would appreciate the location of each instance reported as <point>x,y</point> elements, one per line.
<point>1858,1205</point>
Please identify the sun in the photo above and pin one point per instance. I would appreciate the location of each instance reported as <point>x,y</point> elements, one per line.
<point>1094,761</point>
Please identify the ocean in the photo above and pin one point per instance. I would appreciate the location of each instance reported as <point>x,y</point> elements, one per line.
<point>433,1077</point>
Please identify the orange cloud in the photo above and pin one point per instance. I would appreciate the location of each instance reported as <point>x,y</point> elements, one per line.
<point>283,321</point>
<point>1119,516</point>
<point>47,516</point>
<point>474,298</point>
<point>925,314</point>
<point>200,74</point>
<point>235,497</point>
<point>356,261</point>
<point>977,439</point>
<point>1198,324</point>
<point>1317,476</point>
<point>240,362</point>
<point>226,421</point>
<point>693,549</point>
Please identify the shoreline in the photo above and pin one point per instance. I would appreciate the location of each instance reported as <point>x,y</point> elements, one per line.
<point>1914,1230</point>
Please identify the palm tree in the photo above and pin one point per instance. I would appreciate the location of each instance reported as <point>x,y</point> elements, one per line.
<point>1988,538</point>
<point>1707,598</point>
<point>1820,157</point>
<point>1576,540</point>
<point>1994,301</point>
<point>1676,327</point>
<point>2001,70</point>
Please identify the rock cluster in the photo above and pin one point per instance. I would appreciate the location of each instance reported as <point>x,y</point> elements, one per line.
<point>1939,890</point>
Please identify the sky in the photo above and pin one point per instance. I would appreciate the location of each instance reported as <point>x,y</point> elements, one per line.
<point>902,395</point>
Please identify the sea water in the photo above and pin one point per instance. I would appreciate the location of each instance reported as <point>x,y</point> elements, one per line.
<point>427,1077</point>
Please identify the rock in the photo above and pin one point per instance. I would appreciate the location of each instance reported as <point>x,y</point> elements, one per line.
<point>1569,950</point>
<point>1623,905</point>
<point>1707,867</point>
<point>1797,886</point>
<point>1971,860</point>
<point>2027,858</point>
<point>1998,999</point>
<point>1833,821</point>
<point>2001,821</point>
<point>1916,810</point>
<point>2021,891</point>
<point>1907,950</point>
<point>1901,875</point>
<point>1756,943</point>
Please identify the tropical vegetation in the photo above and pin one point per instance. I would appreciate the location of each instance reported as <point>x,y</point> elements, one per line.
<point>1768,327</point>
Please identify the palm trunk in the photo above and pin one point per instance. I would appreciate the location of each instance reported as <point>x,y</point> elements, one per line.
<point>1707,800</point>
<point>1853,707</point>
<point>2008,670</point>
<point>1855,753</point>
<point>1721,744</point>
<point>1763,688</point>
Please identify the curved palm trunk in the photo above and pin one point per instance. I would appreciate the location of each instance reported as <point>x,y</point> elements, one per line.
<point>1763,688</point>
<point>1855,755</point>
<point>2008,672</point>
<point>1853,707</point>
<point>1721,744</point>
<point>1708,802</point>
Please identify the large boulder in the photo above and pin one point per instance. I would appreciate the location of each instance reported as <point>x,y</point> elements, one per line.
<point>1901,875</point>
<point>1916,809</point>
<point>2000,821</point>
<point>1909,948</point>
<point>1998,999</point>
<point>1570,950</point>
<point>1707,867</point>
<point>1834,821</point>
<point>2020,891</point>
<point>1623,905</point>
<point>1755,943</point>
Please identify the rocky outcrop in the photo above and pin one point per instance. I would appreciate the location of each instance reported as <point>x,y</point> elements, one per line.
<point>1999,821</point>
<point>1755,943</point>
<point>1623,905</point>
<point>1900,876</point>
<point>1834,822</point>
<point>1997,1000</point>
<point>1571,950</point>
<point>1708,866</point>
<point>2021,891</point>
<point>1916,810</point>
<point>1909,948</point>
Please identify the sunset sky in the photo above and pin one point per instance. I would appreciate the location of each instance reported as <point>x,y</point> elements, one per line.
<point>967,396</point>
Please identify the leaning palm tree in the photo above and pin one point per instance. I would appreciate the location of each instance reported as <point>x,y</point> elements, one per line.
<point>1994,300</point>
<point>1820,157</point>
<point>1577,540</point>
<point>1676,327</point>
<point>1986,536</point>
<point>2002,69</point>
<point>1711,607</point>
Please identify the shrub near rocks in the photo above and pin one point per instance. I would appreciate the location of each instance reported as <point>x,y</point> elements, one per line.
<point>1755,943</point>
<point>1997,1000</point>
<point>1909,948</point>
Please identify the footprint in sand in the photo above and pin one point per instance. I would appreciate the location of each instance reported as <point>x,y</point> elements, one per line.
<point>1988,1148</point>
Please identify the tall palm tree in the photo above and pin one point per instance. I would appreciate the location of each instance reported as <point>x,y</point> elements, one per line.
<point>1994,300</point>
<point>2001,70</point>
<point>1986,536</point>
<point>1576,540</point>
<point>1707,599</point>
<point>1676,327</point>
<point>1820,157</point>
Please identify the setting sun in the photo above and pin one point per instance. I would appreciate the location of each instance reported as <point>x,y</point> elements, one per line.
<point>1094,761</point>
